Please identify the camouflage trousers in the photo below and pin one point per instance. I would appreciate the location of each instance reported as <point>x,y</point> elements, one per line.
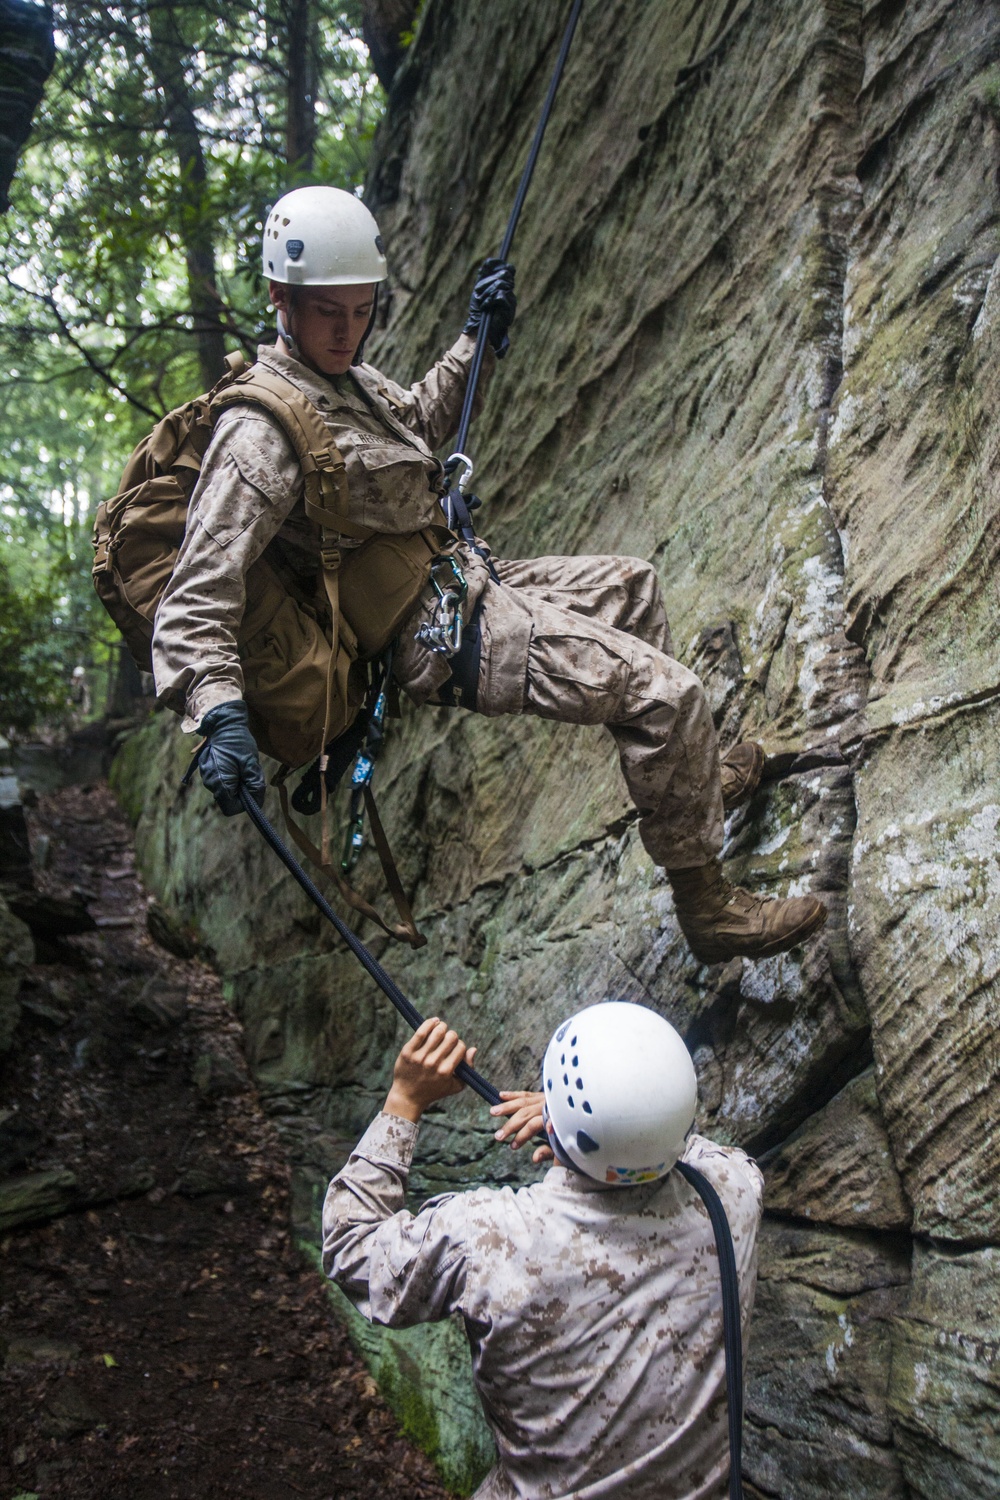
<point>585,640</point>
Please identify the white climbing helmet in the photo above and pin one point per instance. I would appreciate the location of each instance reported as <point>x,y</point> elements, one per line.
<point>620,1093</point>
<point>322,236</point>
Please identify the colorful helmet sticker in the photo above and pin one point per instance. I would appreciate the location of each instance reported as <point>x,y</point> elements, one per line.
<point>632,1175</point>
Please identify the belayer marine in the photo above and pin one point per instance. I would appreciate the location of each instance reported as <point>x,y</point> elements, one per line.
<point>592,1299</point>
<point>315,539</point>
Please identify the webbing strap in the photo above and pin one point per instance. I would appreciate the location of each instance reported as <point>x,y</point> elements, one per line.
<point>327,498</point>
<point>405,930</point>
<point>732,1324</point>
<point>323,469</point>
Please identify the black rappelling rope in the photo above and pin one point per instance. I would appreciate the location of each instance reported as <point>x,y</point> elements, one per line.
<point>731,1325</point>
<point>731,1315</point>
<point>508,239</point>
<point>384,980</point>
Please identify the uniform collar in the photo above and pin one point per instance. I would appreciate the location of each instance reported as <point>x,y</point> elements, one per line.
<point>360,385</point>
<point>321,390</point>
<point>565,1180</point>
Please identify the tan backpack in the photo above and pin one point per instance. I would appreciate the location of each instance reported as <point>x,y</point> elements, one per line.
<point>301,685</point>
<point>305,678</point>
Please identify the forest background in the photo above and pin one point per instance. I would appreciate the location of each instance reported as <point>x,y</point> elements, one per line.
<point>129,267</point>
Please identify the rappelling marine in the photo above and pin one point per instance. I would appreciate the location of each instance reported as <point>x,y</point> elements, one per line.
<point>266,578</point>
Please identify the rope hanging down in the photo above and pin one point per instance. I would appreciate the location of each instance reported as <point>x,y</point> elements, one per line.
<point>483,333</point>
<point>459,512</point>
<point>368,961</point>
<point>731,1323</point>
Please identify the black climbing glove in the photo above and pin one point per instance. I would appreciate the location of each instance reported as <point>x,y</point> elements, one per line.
<point>230,758</point>
<point>493,294</point>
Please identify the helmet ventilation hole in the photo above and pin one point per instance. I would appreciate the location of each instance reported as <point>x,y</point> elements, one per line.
<point>579,1083</point>
<point>586,1107</point>
<point>548,1083</point>
<point>576,1062</point>
<point>566,1079</point>
<point>586,1143</point>
<point>569,1101</point>
<point>573,1041</point>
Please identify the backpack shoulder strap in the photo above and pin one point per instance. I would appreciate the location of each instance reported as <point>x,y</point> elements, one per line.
<point>323,469</point>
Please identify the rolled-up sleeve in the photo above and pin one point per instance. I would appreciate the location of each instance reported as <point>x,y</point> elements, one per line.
<point>248,484</point>
<point>431,408</point>
<point>396,1267</point>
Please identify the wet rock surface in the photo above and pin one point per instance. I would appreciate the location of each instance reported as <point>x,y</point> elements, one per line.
<point>757,343</point>
<point>161,1334</point>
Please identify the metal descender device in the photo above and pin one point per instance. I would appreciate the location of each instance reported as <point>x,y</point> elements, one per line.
<point>443,634</point>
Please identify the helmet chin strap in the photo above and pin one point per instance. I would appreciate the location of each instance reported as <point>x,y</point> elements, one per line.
<point>360,353</point>
<point>559,1150</point>
<point>286,337</point>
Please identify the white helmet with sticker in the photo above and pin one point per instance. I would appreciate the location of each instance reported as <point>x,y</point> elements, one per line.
<point>620,1093</point>
<point>322,236</point>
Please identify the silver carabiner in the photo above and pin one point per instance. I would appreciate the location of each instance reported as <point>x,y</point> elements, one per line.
<point>447,503</point>
<point>462,458</point>
<point>444,636</point>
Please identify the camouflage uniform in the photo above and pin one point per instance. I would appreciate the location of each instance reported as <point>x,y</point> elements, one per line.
<point>594,1314</point>
<point>581,639</point>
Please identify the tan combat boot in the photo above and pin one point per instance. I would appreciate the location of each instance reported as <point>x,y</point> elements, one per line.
<point>723,921</point>
<point>742,768</point>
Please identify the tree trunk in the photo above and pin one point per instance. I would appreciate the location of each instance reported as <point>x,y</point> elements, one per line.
<point>167,58</point>
<point>300,143</point>
<point>27,53</point>
<point>383,22</point>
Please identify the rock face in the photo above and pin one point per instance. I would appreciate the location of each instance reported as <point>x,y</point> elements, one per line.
<point>758,344</point>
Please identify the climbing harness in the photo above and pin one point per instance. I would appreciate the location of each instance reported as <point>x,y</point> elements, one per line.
<point>732,1327</point>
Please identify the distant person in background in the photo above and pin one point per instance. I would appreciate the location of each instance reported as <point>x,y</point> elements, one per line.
<point>591,1299</point>
<point>80,692</point>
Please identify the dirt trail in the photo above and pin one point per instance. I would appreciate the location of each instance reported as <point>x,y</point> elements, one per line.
<point>162,1338</point>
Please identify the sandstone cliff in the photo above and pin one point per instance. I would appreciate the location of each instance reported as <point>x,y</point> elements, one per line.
<point>759,343</point>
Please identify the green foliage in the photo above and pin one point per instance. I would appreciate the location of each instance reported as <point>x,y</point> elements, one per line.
<point>31,682</point>
<point>129,257</point>
<point>409,36</point>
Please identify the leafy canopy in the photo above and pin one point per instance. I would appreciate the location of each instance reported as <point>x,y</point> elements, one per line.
<point>129,257</point>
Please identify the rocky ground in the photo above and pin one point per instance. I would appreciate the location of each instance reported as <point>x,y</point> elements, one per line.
<point>161,1334</point>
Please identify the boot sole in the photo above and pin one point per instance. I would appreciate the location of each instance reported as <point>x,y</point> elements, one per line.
<point>752,782</point>
<point>723,953</point>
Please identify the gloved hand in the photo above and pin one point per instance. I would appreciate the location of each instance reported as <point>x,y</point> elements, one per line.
<point>493,294</point>
<point>231,758</point>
